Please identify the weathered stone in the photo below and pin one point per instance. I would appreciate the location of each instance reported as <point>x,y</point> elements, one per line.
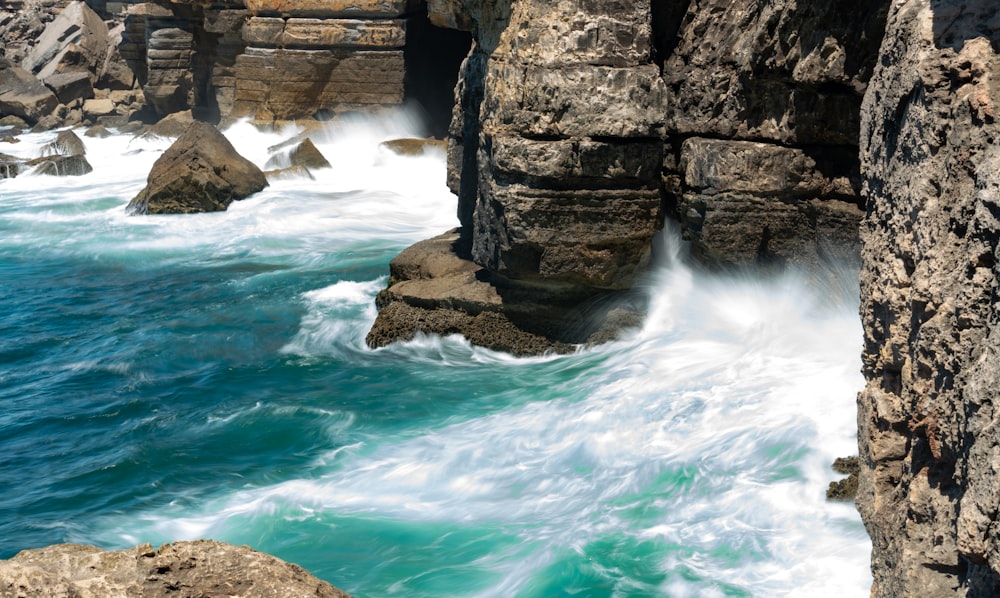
<point>59,165</point>
<point>77,40</point>
<point>70,86</point>
<point>332,8</point>
<point>777,71</point>
<point>200,172</point>
<point>199,568</point>
<point>764,169</point>
<point>435,291</point>
<point>273,32</point>
<point>930,446</point>
<point>275,84</point>
<point>22,95</point>
<point>95,108</point>
<point>66,143</point>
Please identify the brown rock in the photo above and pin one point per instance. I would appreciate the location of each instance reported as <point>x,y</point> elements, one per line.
<point>22,95</point>
<point>199,568</point>
<point>331,8</point>
<point>412,147</point>
<point>200,172</point>
<point>433,290</point>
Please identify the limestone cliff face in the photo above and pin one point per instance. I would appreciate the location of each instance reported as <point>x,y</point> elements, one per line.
<point>580,126</point>
<point>927,418</point>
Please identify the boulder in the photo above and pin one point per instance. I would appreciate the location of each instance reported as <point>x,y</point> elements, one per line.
<point>70,86</point>
<point>199,568</point>
<point>95,108</point>
<point>200,172</point>
<point>24,96</point>
<point>10,166</point>
<point>77,40</point>
<point>60,165</point>
<point>66,143</point>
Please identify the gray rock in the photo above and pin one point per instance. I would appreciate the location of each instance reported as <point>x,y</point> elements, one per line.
<point>77,40</point>
<point>66,143</point>
<point>929,445</point>
<point>200,172</point>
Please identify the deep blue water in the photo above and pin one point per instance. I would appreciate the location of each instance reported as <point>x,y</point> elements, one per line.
<point>166,378</point>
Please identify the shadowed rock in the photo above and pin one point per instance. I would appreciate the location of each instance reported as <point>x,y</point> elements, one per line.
<point>200,172</point>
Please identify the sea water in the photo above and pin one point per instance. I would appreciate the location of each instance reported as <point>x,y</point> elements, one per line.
<point>205,376</point>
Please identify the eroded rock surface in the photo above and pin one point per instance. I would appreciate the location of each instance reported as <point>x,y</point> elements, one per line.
<point>200,172</point>
<point>930,449</point>
<point>199,568</point>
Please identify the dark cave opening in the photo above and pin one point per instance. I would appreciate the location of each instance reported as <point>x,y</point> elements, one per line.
<point>433,56</point>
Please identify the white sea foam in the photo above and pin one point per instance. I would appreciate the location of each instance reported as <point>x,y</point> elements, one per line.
<point>742,389</point>
<point>718,419</point>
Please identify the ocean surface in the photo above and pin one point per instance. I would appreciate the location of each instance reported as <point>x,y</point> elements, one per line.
<point>205,376</point>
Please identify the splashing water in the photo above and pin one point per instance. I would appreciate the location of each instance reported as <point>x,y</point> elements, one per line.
<point>175,377</point>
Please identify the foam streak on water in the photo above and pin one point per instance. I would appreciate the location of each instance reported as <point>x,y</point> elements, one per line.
<point>166,378</point>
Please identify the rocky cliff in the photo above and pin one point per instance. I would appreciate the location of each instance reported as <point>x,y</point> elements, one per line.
<point>580,126</point>
<point>930,449</point>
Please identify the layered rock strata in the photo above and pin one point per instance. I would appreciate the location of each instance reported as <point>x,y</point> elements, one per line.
<point>555,150</point>
<point>762,109</point>
<point>309,58</point>
<point>200,568</point>
<point>580,126</point>
<point>930,449</point>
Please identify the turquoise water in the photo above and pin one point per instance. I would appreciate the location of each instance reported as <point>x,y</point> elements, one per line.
<point>167,378</point>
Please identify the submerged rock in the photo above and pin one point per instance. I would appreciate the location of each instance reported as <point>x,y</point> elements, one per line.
<point>10,166</point>
<point>199,568</point>
<point>200,172</point>
<point>413,147</point>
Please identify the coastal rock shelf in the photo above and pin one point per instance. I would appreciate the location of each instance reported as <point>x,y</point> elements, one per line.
<point>200,568</point>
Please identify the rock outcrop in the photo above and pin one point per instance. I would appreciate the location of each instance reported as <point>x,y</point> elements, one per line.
<point>580,126</point>
<point>200,568</point>
<point>200,172</point>
<point>930,447</point>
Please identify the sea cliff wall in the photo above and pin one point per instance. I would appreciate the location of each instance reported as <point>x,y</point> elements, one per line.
<point>927,418</point>
<point>580,126</point>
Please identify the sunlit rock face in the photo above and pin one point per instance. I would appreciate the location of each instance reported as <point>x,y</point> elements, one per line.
<point>930,449</point>
<point>579,127</point>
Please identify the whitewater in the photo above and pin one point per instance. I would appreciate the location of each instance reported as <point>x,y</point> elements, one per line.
<point>205,376</point>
